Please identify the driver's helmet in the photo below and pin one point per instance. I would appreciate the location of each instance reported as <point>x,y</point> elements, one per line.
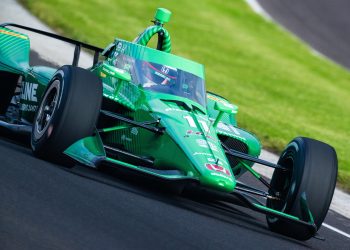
<point>159,74</point>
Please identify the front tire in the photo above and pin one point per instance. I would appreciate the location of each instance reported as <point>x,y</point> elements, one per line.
<point>67,112</point>
<point>313,173</point>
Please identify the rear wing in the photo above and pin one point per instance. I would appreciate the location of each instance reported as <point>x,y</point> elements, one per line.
<point>78,44</point>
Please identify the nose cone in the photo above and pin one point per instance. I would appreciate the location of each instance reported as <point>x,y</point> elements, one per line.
<point>218,177</point>
<point>192,133</point>
<point>208,159</point>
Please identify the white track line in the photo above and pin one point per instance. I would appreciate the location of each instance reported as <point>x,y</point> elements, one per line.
<point>254,4</point>
<point>336,230</point>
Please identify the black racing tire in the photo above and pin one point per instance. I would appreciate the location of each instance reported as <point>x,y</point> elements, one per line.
<point>313,173</point>
<point>67,112</point>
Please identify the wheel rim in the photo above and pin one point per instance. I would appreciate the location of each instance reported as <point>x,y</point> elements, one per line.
<point>47,109</point>
<point>282,184</point>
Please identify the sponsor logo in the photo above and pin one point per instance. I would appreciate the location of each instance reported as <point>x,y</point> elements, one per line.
<point>201,153</point>
<point>29,108</point>
<point>202,143</point>
<point>119,46</point>
<point>134,131</point>
<point>191,132</point>
<point>165,70</point>
<point>221,175</point>
<point>29,91</point>
<point>174,109</point>
<point>228,128</point>
<point>217,168</point>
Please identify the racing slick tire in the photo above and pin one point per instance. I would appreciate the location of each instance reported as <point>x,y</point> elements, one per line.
<point>67,112</point>
<point>312,177</point>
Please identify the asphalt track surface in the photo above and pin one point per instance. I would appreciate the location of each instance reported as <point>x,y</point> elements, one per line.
<point>46,206</point>
<point>324,24</point>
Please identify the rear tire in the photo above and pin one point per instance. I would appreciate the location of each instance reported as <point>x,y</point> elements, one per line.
<point>313,175</point>
<point>67,112</point>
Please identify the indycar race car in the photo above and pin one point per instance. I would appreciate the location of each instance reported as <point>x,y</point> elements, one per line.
<point>148,111</point>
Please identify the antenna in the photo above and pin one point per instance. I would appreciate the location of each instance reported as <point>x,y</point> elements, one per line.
<point>161,16</point>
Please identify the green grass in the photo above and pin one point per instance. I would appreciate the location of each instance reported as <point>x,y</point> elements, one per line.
<point>283,91</point>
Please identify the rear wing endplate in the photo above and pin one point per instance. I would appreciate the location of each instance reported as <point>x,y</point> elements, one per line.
<point>78,44</point>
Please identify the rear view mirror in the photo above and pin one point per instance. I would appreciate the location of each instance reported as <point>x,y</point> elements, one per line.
<point>224,108</point>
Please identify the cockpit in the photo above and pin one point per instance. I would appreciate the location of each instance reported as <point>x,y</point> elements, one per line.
<point>169,80</point>
<point>176,76</point>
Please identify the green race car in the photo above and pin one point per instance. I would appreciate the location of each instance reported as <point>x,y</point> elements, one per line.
<point>147,110</point>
